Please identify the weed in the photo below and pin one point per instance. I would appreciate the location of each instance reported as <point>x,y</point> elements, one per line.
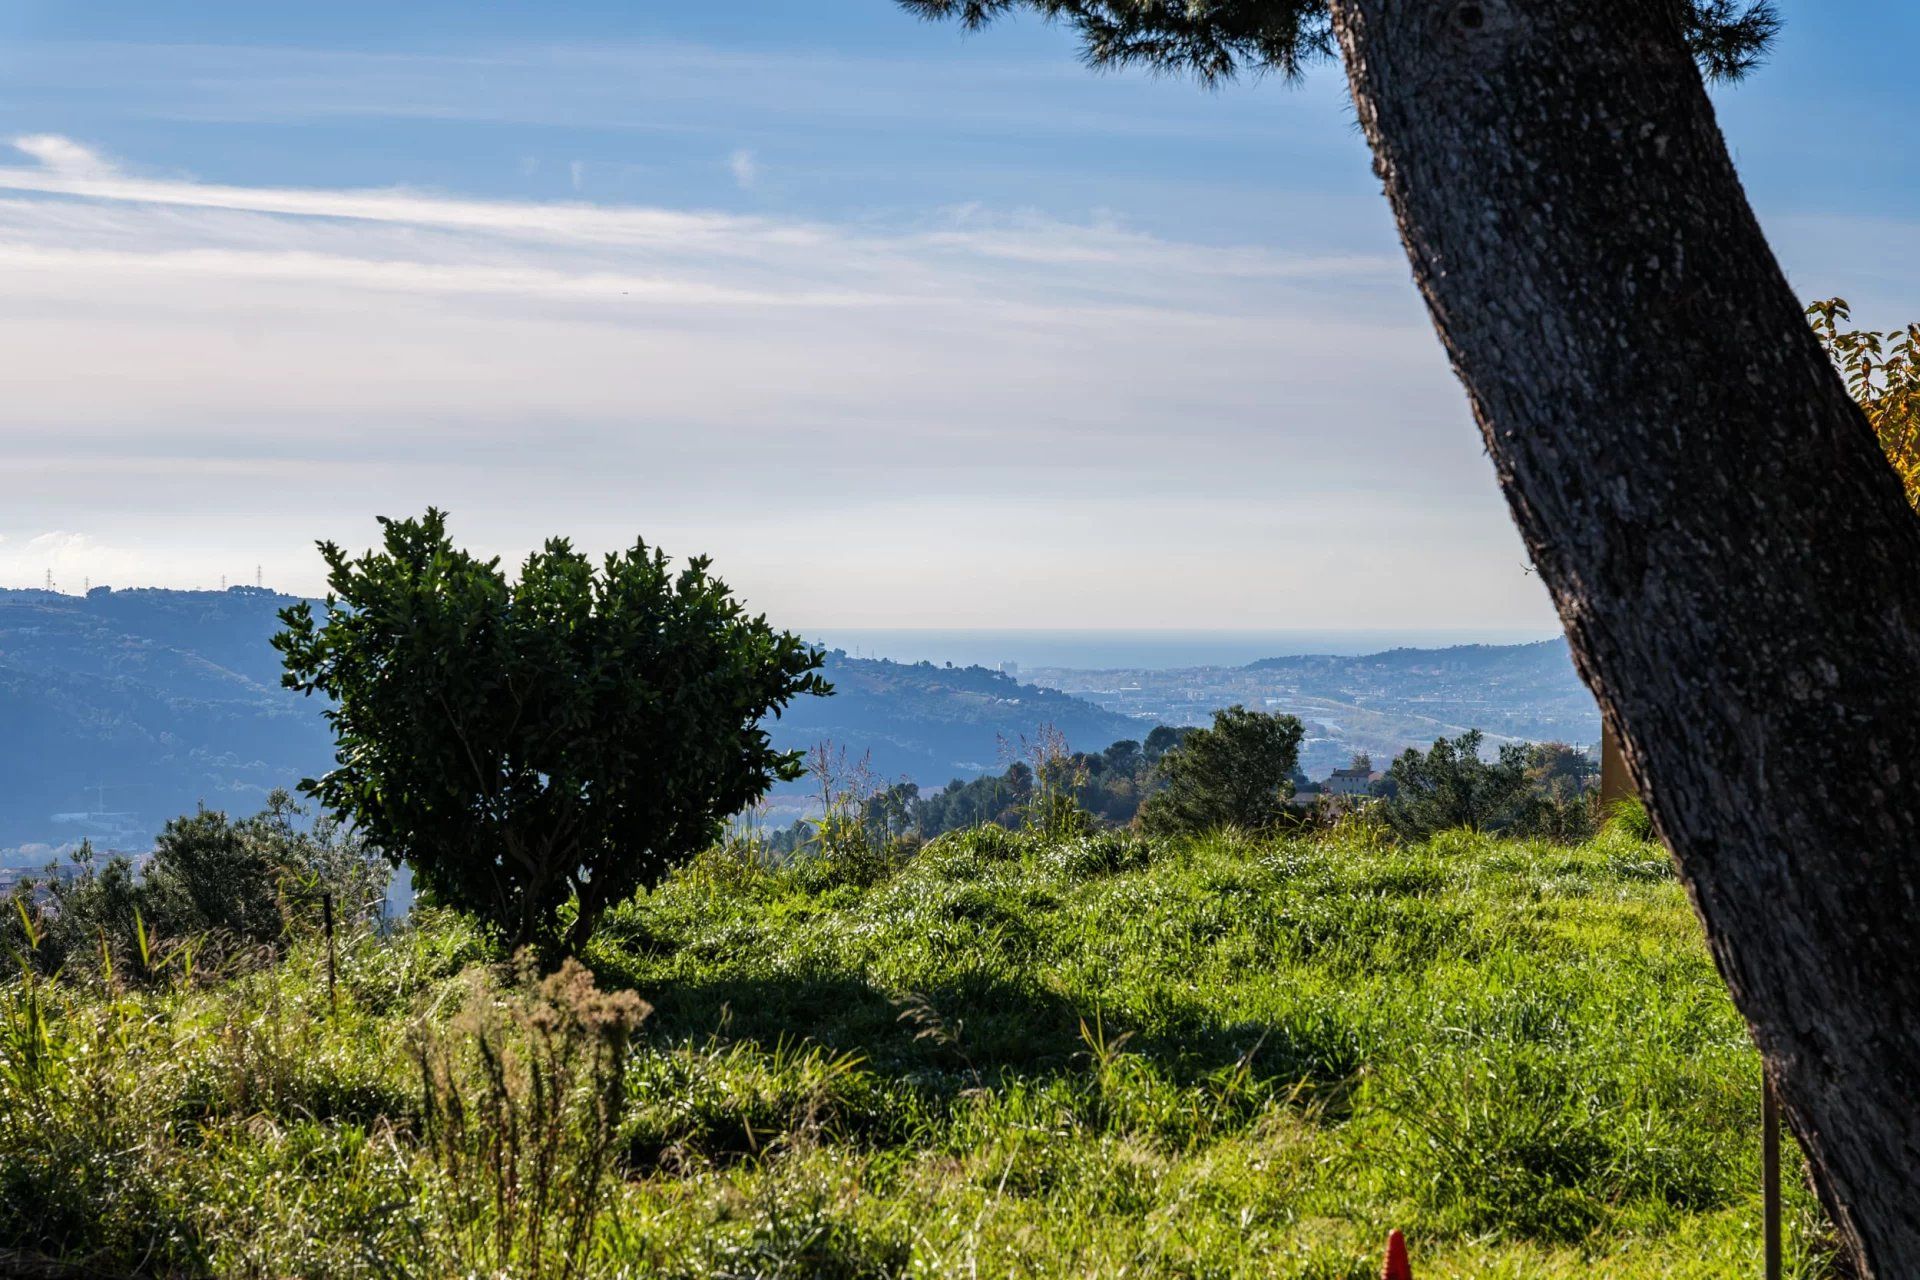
<point>522,1104</point>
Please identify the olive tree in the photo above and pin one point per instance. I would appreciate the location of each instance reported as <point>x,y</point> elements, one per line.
<point>549,742</point>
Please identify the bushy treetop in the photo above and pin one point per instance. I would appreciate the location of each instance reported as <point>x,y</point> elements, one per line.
<point>563,738</point>
<point>1236,773</point>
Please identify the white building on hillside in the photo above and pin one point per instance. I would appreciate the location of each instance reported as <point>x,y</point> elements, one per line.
<point>1350,782</point>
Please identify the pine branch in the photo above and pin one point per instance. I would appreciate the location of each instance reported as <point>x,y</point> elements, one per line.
<point>1216,40</point>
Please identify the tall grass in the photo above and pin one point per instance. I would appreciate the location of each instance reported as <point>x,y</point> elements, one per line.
<point>522,1094</point>
<point>1010,1054</point>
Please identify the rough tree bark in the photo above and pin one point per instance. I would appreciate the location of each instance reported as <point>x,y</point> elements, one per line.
<point>1733,560</point>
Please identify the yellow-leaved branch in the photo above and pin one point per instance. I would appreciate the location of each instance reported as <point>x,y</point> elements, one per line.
<point>1883,374</point>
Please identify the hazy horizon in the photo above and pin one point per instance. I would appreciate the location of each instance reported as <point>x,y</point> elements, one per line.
<point>1095,648</point>
<point>1162,648</point>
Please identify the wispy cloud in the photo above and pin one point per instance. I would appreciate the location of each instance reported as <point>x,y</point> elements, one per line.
<point>745,168</point>
<point>556,247</point>
<point>829,407</point>
<point>63,157</point>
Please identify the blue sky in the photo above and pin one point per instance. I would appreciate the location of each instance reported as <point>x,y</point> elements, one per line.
<point>906,327</point>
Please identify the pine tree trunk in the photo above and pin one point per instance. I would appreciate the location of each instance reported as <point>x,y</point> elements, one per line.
<point>1734,562</point>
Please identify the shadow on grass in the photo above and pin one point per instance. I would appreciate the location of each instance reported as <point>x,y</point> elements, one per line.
<point>969,1023</point>
<point>977,1027</point>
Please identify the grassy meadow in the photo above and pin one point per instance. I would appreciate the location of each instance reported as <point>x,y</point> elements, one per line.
<point>1010,1055</point>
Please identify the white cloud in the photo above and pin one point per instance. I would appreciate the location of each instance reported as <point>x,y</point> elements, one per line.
<point>745,168</point>
<point>75,560</point>
<point>63,156</point>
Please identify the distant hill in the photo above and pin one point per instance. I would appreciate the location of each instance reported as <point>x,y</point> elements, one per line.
<point>1500,687</point>
<point>934,723</point>
<point>1543,661</point>
<point>120,709</point>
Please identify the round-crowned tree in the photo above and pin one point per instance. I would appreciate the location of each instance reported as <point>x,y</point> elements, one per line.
<point>562,739</point>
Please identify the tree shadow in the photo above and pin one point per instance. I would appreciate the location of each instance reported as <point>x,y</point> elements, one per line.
<point>924,1054</point>
<point>970,1023</point>
<point>977,1026</point>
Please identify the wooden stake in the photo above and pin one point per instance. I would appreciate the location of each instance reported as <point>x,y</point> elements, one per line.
<point>1770,1178</point>
<point>1615,785</point>
<point>326,919</point>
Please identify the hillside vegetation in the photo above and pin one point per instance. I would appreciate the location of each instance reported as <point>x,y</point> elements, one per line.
<point>1009,1055</point>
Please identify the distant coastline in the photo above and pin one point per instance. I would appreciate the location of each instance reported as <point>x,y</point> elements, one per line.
<point>1093,649</point>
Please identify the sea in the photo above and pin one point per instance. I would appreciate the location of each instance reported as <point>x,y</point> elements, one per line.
<point>1143,649</point>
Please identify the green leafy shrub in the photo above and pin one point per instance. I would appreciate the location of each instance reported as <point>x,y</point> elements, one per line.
<point>1451,787</point>
<point>553,742</point>
<point>216,888</point>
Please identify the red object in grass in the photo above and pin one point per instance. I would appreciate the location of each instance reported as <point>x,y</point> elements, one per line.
<point>1397,1268</point>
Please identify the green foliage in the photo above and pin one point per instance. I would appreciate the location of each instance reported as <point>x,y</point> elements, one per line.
<point>1238,773</point>
<point>1161,740</point>
<point>1452,786</point>
<point>1538,789</point>
<point>860,835</point>
<point>1729,38</point>
<point>213,875</point>
<point>214,885</point>
<point>1052,789</point>
<point>1564,804</point>
<point>1218,40</point>
<point>1013,1055</point>
<point>559,740</point>
<point>1053,806</point>
<point>1106,787</point>
<point>1629,818</point>
<point>998,798</point>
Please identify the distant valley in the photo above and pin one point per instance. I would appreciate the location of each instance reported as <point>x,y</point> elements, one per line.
<point>1380,703</point>
<point>120,709</point>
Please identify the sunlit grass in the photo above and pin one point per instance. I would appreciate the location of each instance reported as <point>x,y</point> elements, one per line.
<point>1010,1056</point>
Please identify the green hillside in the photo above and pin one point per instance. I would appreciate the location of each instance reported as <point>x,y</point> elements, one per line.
<point>1005,1057</point>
